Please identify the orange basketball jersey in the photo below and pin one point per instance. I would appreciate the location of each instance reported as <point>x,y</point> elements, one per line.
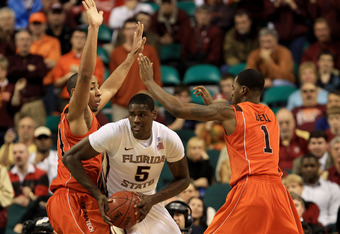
<point>253,147</point>
<point>66,139</point>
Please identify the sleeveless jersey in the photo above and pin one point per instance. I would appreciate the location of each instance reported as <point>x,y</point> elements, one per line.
<point>132,166</point>
<point>254,145</point>
<point>66,139</point>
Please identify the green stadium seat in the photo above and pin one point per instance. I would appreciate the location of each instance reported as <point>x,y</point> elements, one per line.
<point>188,6</point>
<point>276,97</point>
<point>170,76</point>
<point>213,158</point>
<point>154,6</point>
<point>165,178</point>
<point>237,68</point>
<point>185,135</point>
<point>202,74</point>
<point>52,122</point>
<point>101,52</point>
<point>170,52</point>
<point>215,195</point>
<point>104,34</point>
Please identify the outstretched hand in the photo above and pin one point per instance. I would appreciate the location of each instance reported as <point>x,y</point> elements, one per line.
<point>138,40</point>
<point>95,18</point>
<point>204,93</point>
<point>145,68</point>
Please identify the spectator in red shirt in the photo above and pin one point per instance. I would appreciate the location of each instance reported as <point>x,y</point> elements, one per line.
<point>322,32</point>
<point>28,181</point>
<point>333,173</point>
<point>333,118</point>
<point>293,142</point>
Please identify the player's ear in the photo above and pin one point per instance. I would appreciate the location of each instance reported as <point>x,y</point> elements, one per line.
<point>244,90</point>
<point>154,115</point>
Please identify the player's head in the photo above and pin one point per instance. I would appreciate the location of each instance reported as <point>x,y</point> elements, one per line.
<point>247,85</point>
<point>94,98</point>
<point>141,115</point>
<point>181,213</point>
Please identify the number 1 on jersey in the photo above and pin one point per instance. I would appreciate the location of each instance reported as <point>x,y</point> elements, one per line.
<point>267,149</point>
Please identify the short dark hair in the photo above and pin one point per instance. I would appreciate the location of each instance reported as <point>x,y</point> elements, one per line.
<point>71,83</point>
<point>130,20</point>
<point>335,92</point>
<point>242,12</point>
<point>227,76</point>
<point>144,99</point>
<point>309,156</point>
<point>252,79</point>
<point>79,29</point>
<point>318,134</point>
<point>326,52</point>
<point>181,88</point>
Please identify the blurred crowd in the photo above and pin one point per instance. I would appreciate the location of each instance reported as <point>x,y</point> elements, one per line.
<point>295,44</point>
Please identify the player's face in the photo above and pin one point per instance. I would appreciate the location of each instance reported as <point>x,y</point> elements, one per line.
<point>95,95</point>
<point>235,96</point>
<point>197,208</point>
<point>318,146</point>
<point>141,118</point>
<point>310,170</point>
<point>299,207</point>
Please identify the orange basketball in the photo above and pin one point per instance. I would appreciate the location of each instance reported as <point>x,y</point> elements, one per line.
<point>121,210</point>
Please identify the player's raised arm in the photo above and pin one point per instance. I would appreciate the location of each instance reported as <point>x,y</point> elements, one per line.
<point>215,111</point>
<point>80,96</point>
<point>117,77</point>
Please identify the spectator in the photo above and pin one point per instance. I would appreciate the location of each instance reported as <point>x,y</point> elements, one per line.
<point>333,174</point>
<point>189,192</point>
<point>289,18</point>
<point>333,101</point>
<point>294,184</point>
<point>25,128</point>
<point>274,61</point>
<point>293,142</point>
<point>205,43</point>
<point>318,146</point>
<point>324,41</point>
<point>324,193</point>
<point>328,76</point>
<point>181,213</point>
<point>6,197</point>
<point>182,92</point>
<point>240,40</point>
<point>10,99</point>
<point>28,181</point>
<point>7,31</point>
<point>170,23</point>
<point>45,158</point>
<point>130,8</point>
<point>212,132</point>
<point>23,9</point>
<point>225,87</point>
<point>199,215</point>
<point>307,114</point>
<point>198,162</point>
<point>307,74</point>
<point>223,171</point>
<point>32,68</point>
<point>121,99</point>
<point>56,18</point>
<point>333,118</point>
<point>152,38</point>
<point>69,63</point>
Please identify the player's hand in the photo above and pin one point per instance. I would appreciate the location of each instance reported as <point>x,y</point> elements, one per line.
<point>138,40</point>
<point>144,206</point>
<point>103,207</point>
<point>145,68</point>
<point>94,18</point>
<point>204,93</point>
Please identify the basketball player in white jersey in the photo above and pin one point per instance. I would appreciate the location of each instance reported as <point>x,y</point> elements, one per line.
<point>137,148</point>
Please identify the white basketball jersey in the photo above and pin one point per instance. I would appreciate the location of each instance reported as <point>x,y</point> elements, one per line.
<point>132,166</point>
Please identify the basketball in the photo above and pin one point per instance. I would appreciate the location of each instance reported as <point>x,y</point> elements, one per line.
<point>121,210</point>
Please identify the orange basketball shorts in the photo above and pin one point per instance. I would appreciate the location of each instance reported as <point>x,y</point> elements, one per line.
<point>257,204</point>
<point>73,212</point>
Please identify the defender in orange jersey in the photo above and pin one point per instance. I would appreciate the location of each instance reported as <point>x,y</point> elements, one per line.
<point>258,201</point>
<point>72,209</point>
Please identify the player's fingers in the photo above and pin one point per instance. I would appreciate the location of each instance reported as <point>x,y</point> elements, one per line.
<point>109,200</point>
<point>85,6</point>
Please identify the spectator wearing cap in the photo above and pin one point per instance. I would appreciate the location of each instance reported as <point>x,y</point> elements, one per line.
<point>32,68</point>
<point>28,181</point>
<point>49,48</point>
<point>333,118</point>
<point>45,158</point>
<point>56,18</point>
<point>23,9</point>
